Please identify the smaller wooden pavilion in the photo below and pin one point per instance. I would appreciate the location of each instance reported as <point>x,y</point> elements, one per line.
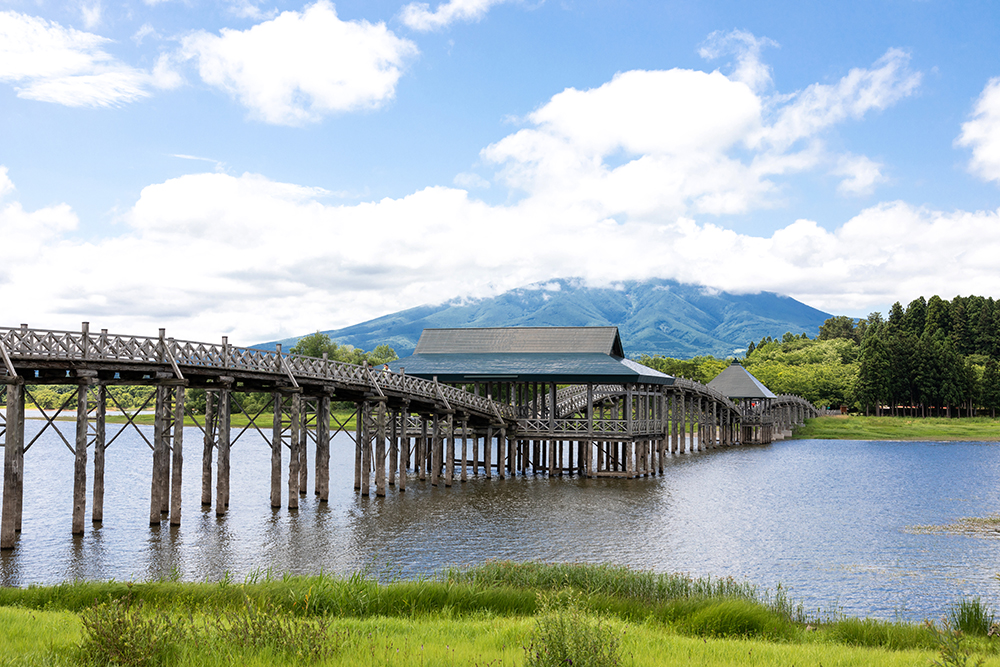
<point>754,399</point>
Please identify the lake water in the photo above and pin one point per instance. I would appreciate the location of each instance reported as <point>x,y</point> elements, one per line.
<point>826,519</point>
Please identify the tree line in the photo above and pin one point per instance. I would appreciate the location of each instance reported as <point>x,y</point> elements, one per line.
<point>932,357</point>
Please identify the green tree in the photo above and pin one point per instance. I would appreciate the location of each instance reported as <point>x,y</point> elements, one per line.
<point>839,326</point>
<point>872,387</point>
<point>316,345</point>
<point>382,354</point>
<point>991,387</point>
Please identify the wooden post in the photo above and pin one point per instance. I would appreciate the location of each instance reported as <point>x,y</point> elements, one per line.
<point>13,466</point>
<point>161,422</point>
<point>422,447</point>
<point>276,429</point>
<point>449,463</point>
<point>488,452</point>
<point>380,450</point>
<point>393,446</point>
<point>178,457</point>
<point>323,448</point>
<point>501,452</point>
<point>208,449</point>
<point>100,413</point>
<point>358,446</point>
<point>436,450</point>
<point>465,427</point>
<point>223,422</point>
<point>303,447</point>
<point>80,463</point>
<point>404,448</point>
<point>366,449</point>
<point>294,451</point>
<point>475,454</point>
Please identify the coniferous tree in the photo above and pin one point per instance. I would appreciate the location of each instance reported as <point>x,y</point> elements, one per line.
<point>873,384</point>
<point>916,315</point>
<point>991,387</point>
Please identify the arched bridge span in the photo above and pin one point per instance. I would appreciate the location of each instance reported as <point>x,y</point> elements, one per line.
<point>406,427</point>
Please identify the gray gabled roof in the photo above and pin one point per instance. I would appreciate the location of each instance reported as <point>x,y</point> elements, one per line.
<point>523,340</point>
<point>564,355</point>
<point>737,382</point>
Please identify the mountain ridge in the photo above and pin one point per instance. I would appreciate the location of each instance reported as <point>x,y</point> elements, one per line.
<point>655,316</point>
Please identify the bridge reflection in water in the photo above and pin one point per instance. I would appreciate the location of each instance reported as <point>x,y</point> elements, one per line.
<point>606,417</point>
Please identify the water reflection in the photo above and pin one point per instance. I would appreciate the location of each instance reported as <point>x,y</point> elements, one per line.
<point>825,518</point>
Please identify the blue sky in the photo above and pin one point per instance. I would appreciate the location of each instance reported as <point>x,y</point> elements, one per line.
<point>261,169</point>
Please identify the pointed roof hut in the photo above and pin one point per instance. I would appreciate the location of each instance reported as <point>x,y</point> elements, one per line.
<point>737,382</point>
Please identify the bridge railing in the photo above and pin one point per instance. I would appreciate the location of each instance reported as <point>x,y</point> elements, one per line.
<point>26,343</point>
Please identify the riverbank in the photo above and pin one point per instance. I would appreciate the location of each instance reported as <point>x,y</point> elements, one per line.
<point>498,613</point>
<point>854,427</point>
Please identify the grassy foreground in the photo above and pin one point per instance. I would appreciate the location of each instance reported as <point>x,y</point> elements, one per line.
<point>498,613</point>
<point>852,427</point>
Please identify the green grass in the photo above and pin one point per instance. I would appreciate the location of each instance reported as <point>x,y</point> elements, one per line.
<point>498,613</point>
<point>974,429</point>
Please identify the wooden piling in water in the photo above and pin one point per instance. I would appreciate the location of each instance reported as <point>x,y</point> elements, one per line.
<point>294,447</point>
<point>276,444</point>
<point>100,443</point>
<point>380,419</point>
<point>178,457</point>
<point>208,449</point>
<point>223,422</point>
<point>13,466</point>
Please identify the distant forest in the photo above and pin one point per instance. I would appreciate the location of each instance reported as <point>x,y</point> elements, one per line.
<point>933,357</point>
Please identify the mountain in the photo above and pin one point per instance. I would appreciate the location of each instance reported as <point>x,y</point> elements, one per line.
<point>653,316</point>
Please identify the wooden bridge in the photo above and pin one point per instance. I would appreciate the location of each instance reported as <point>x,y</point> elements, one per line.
<point>406,427</point>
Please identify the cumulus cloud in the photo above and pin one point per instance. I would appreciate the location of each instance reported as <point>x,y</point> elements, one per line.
<point>419,16</point>
<point>982,133</point>
<point>219,230</point>
<point>91,14</point>
<point>51,63</point>
<point>662,144</point>
<point>861,175</point>
<point>299,67</point>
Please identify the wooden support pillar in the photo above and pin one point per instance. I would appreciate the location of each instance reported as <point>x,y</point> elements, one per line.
<point>449,459</point>
<point>323,448</point>
<point>465,443</point>
<point>358,436</point>
<point>435,450</point>
<point>208,448</point>
<point>276,429</point>
<point>100,442</point>
<point>422,449</point>
<point>13,466</point>
<point>380,419</point>
<point>303,445</point>
<point>366,448</point>
<point>501,452</point>
<point>223,423</point>
<point>475,453</point>
<point>177,458</point>
<point>295,446</point>
<point>393,446</point>
<point>488,452</point>
<point>161,424</point>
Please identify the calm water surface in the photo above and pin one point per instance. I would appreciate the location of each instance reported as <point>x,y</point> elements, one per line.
<point>827,519</point>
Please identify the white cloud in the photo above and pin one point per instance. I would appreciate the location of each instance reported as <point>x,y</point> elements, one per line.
<point>220,231</point>
<point>746,47</point>
<point>144,31</point>
<point>862,175</point>
<point>50,63</point>
<point>982,133</point>
<point>300,67</point>
<point>91,14</point>
<point>662,144</point>
<point>862,90</point>
<point>418,15</point>
<point>249,9</point>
